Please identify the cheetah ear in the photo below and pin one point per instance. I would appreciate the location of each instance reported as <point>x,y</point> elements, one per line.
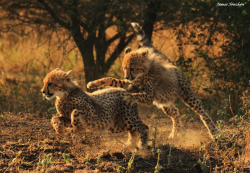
<point>127,50</point>
<point>145,53</point>
<point>56,69</point>
<point>68,75</point>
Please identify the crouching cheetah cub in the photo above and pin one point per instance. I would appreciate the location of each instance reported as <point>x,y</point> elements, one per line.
<point>100,110</point>
<point>151,78</point>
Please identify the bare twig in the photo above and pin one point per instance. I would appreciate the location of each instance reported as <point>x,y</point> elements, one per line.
<point>64,50</point>
<point>148,163</point>
<point>230,106</point>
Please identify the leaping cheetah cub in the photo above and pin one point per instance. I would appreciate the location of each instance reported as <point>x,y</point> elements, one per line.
<point>100,110</point>
<point>152,78</point>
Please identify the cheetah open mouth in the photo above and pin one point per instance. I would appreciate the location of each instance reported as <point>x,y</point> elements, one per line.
<point>48,95</point>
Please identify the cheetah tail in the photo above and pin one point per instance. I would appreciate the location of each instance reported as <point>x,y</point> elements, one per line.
<point>141,37</point>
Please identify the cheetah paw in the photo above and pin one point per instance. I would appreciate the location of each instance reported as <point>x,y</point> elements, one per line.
<point>173,135</point>
<point>91,85</point>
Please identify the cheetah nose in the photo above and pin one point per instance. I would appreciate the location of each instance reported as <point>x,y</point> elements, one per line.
<point>43,92</point>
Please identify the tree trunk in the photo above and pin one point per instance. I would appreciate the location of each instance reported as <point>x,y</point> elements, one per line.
<point>86,49</point>
<point>150,17</point>
<point>85,46</point>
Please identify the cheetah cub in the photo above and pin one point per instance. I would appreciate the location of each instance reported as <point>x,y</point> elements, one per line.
<point>151,78</point>
<point>100,110</point>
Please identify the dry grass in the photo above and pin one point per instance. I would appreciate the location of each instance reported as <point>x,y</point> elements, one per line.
<point>24,62</point>
<point>231,149</point>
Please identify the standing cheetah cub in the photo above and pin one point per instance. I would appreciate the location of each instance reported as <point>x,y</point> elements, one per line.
<point>151,78</point>
<point>100,110</point>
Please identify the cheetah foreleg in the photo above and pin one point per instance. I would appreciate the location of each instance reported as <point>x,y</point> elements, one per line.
<point>144,96</point>
<point>60,124</point>
<point>141,98</point>
<point>132,138</point>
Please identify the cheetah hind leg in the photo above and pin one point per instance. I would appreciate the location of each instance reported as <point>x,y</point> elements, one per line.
<point>143,137</point>
<point>173,112</point>
<point>120,126</point>
<point>77,121</point>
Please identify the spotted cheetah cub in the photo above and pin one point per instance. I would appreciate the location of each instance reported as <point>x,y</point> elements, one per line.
<point>151,78</point>
<point>100,110</point>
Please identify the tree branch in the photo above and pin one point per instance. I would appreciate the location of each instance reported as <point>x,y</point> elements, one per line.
<point>113,38</point>
<point>54,16</point>
<point>122,44</point>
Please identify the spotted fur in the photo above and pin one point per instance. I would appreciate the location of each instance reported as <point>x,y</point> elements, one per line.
<point>155,80</point>
<point>100,110</point>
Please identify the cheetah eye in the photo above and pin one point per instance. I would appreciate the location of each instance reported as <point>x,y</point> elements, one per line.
<point>68,80</point>
<point>49,84</point>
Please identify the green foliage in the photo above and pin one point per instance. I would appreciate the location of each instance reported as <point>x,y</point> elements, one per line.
<point>203,164</point>
<point>179,161</point>
<point>119,169</point>
<point>158,167</point>
<point>53,109</point>
<point>200,147</point>
<point>66,158</point>
<point>99,161</point>
<point>222,113</point>
<point>154,138</point>
<point>87,164</point>
<point>46,162</point>
<point>206,25</point>
<point>120,25</point>
<point>169,156</point>
<point>131,162</point>
<point>220,123</point>
<point>185,65</point>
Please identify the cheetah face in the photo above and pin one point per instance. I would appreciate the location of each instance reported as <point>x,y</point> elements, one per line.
<point>132,72</point>
<point>52,90</point>
<point>56,84</point>
<point>134,64</point>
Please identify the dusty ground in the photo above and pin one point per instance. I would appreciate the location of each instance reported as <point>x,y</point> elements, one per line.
<point>25,139</point>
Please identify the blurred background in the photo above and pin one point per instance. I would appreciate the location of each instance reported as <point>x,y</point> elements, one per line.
<point>208,42</point>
